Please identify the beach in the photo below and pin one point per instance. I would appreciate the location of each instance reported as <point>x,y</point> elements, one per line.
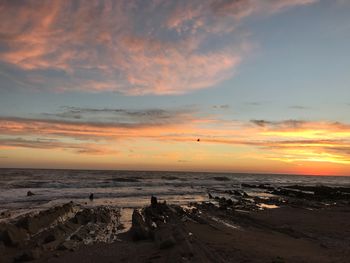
<point>224,219</point>
<point>285,235</point>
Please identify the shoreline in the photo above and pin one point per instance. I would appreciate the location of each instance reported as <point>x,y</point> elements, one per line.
<point>289,224</point>
<point>173,171</point>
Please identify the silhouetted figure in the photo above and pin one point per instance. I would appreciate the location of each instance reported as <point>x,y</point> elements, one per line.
<point>198,140</point>
<point>91,197</point>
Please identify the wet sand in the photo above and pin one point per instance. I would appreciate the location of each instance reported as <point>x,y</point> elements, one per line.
<point>279,235</point>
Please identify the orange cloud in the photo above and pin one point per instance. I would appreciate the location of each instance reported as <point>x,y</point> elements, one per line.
<point>284,141</point>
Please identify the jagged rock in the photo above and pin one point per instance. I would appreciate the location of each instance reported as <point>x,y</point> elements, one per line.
<point>44,218</point>
<point>97,215</point>
<point>50,230</point>
<point>83,217</point>
<point>139,228</point>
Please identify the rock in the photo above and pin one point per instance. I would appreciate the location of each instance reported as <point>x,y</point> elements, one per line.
<point>30,193</point>
<point>120,227</point>
<point>167,243</point>
<point>237,193</point>
<point>139,228</point>
<point>229,202</point>
<point>91,197</point>
<point>51,245</point>
<point>12,235</point>
<point>249,185</point>
<point>222,203</point>
<point>245,194</point>
<point>210,196</point>
<point>68,245</point>
<point>5,214</point>
<point>97,215</point>
<point>28,255</point>
<point>51,237</point>
<point>221,178</point>
<point>44,218</point>
<point>85,216</point>
<point>77,237</point>
<point>164,236</point>
<point>154,201</point>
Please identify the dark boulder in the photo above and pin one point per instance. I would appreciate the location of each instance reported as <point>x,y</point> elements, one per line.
<point>139,228</point>
<point>12,235</point>
<point>154,201</point>
<point>237,193</point>
<point>30,193</point>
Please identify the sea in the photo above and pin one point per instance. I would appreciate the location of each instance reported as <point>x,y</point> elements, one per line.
<point>130,189</point>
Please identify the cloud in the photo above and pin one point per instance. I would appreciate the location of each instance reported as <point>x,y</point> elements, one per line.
<point>94,149</point>
<point>301,125</point>
<point>121,117</point>
<point>131,46</point>
<point>223,106</point>
<point>99,124</point>
<point>299,107</point>
<point>102,130</point>
<point>254,103</point>
<point>286,124</point>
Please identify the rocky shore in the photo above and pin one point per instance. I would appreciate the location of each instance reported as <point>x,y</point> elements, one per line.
<point>60,228</point>
<point>308,224</point>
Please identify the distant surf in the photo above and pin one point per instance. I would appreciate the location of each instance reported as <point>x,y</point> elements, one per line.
<point>129,188</point>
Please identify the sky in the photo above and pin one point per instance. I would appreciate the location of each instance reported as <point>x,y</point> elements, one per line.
<point>256,86</point>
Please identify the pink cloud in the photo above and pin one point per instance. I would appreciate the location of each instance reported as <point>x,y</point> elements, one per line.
<point>286,141</point>
<point>128,46</point>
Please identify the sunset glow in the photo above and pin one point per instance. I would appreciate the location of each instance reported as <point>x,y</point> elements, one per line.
<point>176,85</point>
